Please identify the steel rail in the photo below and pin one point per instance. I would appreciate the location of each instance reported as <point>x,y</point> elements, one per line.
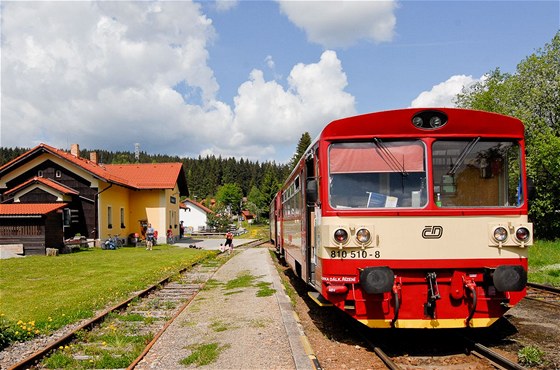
<point>34,357</point>
<point>492,356</point>
<point>386,359</point>
<point>87,325</point>
<point>177,313</point>
<point>552,291</point>
<point>547,288</point>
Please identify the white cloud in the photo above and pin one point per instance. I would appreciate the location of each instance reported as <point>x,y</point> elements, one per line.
<point>107,75</point>
<point>342,23</point>
<point>270,62</point>
<point>225,5</point>
<point>264,110</point>
<point>443,94</point>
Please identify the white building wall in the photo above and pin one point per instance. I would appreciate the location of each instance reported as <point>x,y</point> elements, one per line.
<point>194,218</point>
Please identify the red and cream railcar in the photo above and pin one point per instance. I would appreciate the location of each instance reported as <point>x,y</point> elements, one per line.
<point>413,218</point>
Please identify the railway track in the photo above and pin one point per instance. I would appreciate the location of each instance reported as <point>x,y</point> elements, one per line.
<point>136,322</point>
<point>452,350</point>
<point>543,293</point>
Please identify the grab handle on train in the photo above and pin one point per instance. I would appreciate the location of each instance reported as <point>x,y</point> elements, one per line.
<point>471,286</point>
<point>396,289</point>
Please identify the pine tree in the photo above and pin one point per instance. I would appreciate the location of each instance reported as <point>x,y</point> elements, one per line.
<point>303,143</point>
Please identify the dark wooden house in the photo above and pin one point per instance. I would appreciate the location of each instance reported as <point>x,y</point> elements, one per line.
<point>32,226</point>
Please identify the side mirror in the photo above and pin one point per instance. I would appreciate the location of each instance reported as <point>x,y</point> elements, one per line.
<point>311,191</point>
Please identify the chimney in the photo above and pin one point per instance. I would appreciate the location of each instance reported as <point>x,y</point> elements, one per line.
<point>75,150</point>
<point>93,157</point>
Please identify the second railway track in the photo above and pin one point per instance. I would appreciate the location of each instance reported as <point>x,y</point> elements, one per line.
<point>119,336</point>
<point>543,293</point>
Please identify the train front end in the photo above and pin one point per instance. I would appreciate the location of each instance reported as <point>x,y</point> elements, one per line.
<point>425,227</point>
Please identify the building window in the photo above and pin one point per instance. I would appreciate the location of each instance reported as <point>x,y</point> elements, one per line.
<point>122,219</point>
<point>110,217</point>
<point>58,173</point>
<point>40,173</point>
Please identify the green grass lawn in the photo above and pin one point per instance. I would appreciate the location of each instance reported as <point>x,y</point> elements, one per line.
<point>544,262</point>
<point>39,294</point>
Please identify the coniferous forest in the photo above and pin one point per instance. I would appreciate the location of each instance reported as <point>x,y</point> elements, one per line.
<point>204,174</point>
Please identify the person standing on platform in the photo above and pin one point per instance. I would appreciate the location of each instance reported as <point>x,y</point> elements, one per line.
<point>229,242</point>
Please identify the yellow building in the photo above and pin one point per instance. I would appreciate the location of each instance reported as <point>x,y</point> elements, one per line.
<point>100,200</point>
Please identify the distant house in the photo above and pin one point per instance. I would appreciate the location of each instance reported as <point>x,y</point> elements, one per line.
<point>88,198</point>
<point>247,216</point>
<point>194,215</point>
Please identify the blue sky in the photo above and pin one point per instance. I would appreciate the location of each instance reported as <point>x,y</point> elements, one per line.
<point>243,78</point>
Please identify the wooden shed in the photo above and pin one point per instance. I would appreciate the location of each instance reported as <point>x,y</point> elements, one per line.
<point>34,226</point>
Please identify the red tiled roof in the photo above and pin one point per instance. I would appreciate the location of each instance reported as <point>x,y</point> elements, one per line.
<point>139,176</point>
<point>199,205</point>
<point>148,175</point>
<point>247,214</point>
<point>89,166</point>
<point>26,209</point>
<point>48,182</point>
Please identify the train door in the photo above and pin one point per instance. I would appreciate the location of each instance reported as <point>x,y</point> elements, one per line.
<point>311,212</point>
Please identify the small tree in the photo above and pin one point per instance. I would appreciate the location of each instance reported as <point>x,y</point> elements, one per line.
<point>532,95</point>
<point>230,195</point>
<point>219,220</point>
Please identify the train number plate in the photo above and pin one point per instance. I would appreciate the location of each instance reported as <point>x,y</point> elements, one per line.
<point>337,253</point>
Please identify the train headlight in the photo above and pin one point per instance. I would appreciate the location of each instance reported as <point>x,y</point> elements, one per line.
<point>436,122</point>
<point>429,120</point>
<point>500,234</point>
<point>523,234</point>
<point>418,121</point>
<point>363,236</point>
<point>341,236</point>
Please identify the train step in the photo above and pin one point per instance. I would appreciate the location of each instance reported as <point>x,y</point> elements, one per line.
<point>319,299</point>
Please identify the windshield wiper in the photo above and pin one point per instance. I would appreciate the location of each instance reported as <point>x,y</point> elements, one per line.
<point>389,158</point>
<point>463,155</point>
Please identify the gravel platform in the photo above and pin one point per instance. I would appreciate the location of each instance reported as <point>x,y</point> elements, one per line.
<point>249,332</point>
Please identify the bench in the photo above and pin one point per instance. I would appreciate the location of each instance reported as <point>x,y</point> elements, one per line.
<point>75,244</point>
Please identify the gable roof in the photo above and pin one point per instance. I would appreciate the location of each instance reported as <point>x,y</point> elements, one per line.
<point>48,182</point>
<point>247,214</point>
<point>198,205</point>
<point>29,209</point>
<point>136,176</point>
<point>148,175</point>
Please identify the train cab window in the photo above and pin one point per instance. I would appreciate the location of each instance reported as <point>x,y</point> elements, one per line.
<point>476,173</point>
<point>377,174</point>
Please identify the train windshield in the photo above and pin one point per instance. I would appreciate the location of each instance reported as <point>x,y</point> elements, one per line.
<point>477,173</point>
<point>377,174</point>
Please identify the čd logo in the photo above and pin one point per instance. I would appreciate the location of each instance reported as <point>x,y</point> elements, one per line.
<point>432,232</point>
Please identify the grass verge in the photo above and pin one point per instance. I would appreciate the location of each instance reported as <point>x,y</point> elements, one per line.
<point>40,294</point>
<point>544,262</point>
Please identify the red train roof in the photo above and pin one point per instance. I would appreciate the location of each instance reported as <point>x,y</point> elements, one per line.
<point>461,122</point>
